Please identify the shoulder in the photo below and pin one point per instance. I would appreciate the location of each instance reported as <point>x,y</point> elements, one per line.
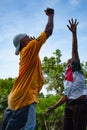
<point>76,66</point>
<point>42,36</point>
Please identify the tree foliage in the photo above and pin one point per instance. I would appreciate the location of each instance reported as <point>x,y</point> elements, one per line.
<point>84,68</point>
<point>54,120</point>
<point>5,87</point>
<point>54,71</point>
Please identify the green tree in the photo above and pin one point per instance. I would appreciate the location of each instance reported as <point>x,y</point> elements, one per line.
<point>54,72</point>
<point>5,87</point>
<point>84,68</point>
<point>54,120</point>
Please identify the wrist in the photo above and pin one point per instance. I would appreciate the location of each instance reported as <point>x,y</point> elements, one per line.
<point>51,16</point>
<point>74,32</point>
<point>54,107</point>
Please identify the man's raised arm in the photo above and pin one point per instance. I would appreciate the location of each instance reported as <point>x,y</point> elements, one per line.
<point>49,27</point>
<point>73,28</point>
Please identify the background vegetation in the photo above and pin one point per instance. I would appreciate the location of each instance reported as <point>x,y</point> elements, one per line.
<point>54,71</point>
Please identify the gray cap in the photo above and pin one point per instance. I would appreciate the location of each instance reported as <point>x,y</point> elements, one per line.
<point>16,42</point>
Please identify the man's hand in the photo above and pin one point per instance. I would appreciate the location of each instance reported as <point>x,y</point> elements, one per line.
<point>49,11</point>
<point>73,28</point>
<point>50,24</point>
<point>49,110</point>
<point>73,25</point>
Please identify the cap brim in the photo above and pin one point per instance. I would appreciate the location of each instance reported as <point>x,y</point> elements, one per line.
<point>17,50</point>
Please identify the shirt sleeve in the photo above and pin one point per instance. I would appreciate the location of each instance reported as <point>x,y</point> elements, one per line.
<point>42,38</point>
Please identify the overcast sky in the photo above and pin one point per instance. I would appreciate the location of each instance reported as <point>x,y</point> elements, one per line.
<point>27,16</point>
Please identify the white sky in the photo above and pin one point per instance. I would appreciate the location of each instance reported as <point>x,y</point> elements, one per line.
<point>18,16</point>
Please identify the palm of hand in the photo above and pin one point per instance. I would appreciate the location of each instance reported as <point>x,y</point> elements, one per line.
<point>73,25</point>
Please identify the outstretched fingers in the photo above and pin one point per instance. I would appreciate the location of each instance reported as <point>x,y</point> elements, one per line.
<point>72,21</point>
<point>72,24</point>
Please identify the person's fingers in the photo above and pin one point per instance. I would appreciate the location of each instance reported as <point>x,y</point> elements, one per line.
<point>32,38</point>
<point>75,21</point>
<point>72,20</point>
<point>47,112</point>
<point>68,27</point>
<point>69,22</point>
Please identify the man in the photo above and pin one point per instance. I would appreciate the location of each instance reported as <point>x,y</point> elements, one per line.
<point>21,111</point>
<point>75,115</point>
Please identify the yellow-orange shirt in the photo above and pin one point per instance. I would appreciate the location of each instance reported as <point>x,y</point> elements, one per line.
<point>30,79</point>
